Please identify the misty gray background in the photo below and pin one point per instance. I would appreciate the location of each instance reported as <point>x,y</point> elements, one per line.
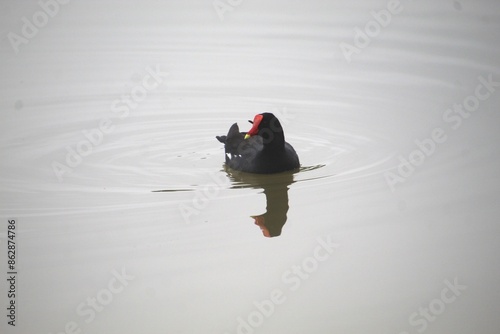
<point>350,121</point>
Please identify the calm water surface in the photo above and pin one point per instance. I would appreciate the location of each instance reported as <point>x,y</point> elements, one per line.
<point>128,222</point>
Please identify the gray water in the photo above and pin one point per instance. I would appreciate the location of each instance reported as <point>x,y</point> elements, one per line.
<point>128,222</point>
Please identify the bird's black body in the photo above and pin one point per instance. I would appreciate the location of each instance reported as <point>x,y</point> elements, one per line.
<point>264,152</point>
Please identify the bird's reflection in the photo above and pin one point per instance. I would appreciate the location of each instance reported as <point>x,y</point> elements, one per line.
<point>275,188</point>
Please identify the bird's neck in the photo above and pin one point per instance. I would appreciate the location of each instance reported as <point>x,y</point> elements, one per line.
<point>276,143</point>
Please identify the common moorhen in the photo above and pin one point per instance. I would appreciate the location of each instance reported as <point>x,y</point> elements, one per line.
<point>261,150</point>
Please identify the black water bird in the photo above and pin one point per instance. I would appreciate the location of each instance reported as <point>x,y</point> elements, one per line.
<point>261,150</point>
